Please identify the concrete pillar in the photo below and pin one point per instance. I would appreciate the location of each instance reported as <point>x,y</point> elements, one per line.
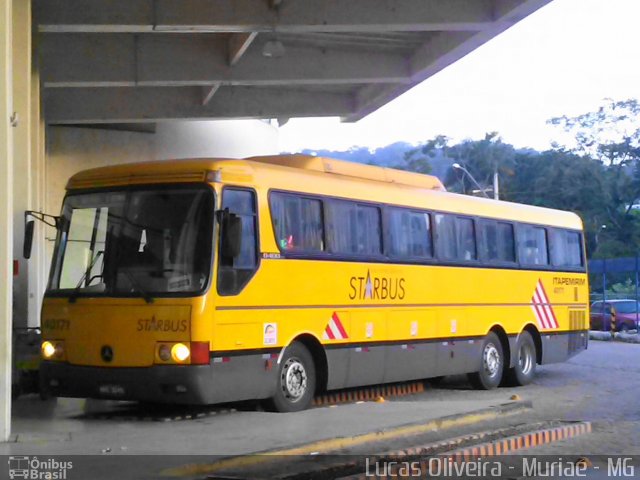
<point>37,271</point>
<point>6,216</point>
<point>22,146</point>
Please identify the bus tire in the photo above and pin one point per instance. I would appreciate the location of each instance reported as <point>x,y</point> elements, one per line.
<point>491,365</point>
<point>296,381</point>
<point>525,362</point>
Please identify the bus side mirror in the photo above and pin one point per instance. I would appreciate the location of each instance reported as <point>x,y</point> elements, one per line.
<point>231,228</point>
<point>28,239</point>
<point>29,217</point>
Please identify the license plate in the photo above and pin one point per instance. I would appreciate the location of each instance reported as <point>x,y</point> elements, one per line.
<point>112,390</point>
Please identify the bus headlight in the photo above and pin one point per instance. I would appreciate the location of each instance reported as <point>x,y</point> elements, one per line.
<point>191,353</point>
<point>52,350</point>
<point>48,350</point>
<point>180,352</point>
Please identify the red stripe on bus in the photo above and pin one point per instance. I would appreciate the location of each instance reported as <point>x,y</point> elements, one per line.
<point>329,332</point>
<point>540,309</point>
<point>338,324</point>
<point>546,298</point>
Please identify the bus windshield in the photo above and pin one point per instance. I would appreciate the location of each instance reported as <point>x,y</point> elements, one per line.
<point>146,241</point>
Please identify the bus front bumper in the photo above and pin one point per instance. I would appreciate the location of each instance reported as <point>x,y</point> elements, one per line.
<point>180,384</point>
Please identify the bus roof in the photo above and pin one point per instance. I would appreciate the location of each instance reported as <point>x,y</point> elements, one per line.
<point>321,176</point>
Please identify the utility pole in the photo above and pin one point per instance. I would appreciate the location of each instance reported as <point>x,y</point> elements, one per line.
<point>457,166</point>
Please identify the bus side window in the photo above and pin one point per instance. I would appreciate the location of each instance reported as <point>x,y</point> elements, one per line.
<point>532,245</point>
<point>466,239</point>
<point>297,222</point>
<point>409,234</point>
<point>446,244</point>
<point>354,229</point>
<point>566,248</point>
<point>455,238</point>
<point>506,242</point>
<point>369,230</point>
<point>234,273</point>
<point>497,242</point>
<point>489,240</point>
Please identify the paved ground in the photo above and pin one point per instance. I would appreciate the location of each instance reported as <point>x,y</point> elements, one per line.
<point>600,385</point>
<point>226,434</point>
<point>605,389</point>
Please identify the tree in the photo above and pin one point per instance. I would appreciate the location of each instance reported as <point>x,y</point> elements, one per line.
<point>611,136</point>
<point>563,180</point>
<point>419,159</point>
<point>482,158</point>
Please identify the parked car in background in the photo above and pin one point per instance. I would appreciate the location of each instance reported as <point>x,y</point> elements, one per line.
<point>626,314</point>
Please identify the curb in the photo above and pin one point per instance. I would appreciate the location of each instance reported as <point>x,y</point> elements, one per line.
<point>627,337</point>
<point>522,441</point>
<point>497,447</point>
<point>369,393</point>
<point>597,335</point>
<point>322,447</point>
<point>600,336</point>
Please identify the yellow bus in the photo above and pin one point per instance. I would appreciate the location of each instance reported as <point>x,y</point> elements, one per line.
<point>205,281</point>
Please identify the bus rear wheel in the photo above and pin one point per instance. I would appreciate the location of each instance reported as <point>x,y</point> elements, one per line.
<point>491,366</point>
<point>296,382</point>
<point>525,365</point>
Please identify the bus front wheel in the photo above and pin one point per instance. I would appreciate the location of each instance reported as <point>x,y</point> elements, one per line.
<point>491,365</point>
<point>525,366</point>
<point>296,382</point>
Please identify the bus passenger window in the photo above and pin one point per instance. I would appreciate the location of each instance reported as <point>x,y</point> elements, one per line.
<point>489,244</point>
<point>353,228</point>
<point>466,239</point>
<point>369,230</point>
<point>456,238</point>
<point>532,245</point>
<point>566,248</point>
<point>297,222</point>
<point>506,243</point>
<point>409,234</point>
<point>497,241</point>
<point>234,273</point>
<point>446,237</point>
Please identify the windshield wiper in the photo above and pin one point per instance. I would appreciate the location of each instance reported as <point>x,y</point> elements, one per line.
<point>136,285</point>
<point>74,294</point>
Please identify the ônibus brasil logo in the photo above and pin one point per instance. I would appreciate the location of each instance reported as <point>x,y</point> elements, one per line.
<point>33,468</point>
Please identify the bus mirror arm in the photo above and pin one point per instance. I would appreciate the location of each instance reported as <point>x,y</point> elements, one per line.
<point>29,225</point>
<point>231,233</point>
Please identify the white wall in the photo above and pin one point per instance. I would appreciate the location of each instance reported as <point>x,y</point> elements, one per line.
<point>232,138</point>
<point>71,149</point>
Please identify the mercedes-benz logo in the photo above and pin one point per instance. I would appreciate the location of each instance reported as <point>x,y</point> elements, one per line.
<point>106,353</point>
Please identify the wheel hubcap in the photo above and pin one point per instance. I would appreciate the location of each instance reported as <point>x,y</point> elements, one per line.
<point>526,359</point>
<point>491,360</point>
<point>293,379</point>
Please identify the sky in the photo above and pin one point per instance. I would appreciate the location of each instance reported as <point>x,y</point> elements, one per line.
<point>564,59</point>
